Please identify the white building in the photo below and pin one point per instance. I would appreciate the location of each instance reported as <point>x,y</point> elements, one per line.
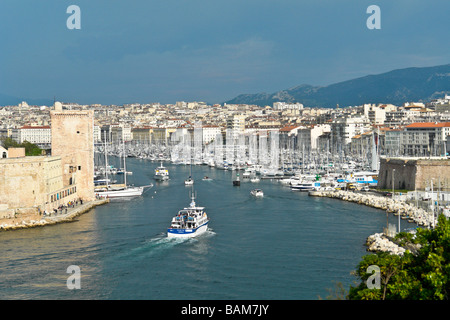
<point>287,106</point>
<point>209,133</point>
<point>97,134</point>
<point>309,136</point>
<point>344,128</point>
<point>237,124</point>
<point>39,135</point>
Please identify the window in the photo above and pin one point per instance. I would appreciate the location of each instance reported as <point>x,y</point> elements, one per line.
<point>79,167</point>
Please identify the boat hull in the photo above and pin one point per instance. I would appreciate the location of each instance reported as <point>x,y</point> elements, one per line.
<point>129,192</point>
<point>187,233</point>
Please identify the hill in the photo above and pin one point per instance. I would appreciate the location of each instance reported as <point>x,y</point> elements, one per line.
<point>396,87</point>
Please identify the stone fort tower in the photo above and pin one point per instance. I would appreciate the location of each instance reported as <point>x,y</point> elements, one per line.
<point>73,141</point>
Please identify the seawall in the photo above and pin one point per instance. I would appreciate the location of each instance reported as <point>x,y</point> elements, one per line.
<point>379,241</point>
<point>418,215</point>
<point>71,214</point>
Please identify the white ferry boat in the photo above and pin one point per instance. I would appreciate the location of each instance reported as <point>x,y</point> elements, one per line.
<point>161,173</point>
<point>189,222</point>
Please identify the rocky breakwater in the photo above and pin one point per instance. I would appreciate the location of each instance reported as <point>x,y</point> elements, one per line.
<point>407,211</point>
<point>29,222</point>
<point>378,242</point>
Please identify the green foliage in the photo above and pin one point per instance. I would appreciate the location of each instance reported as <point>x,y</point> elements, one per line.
<point>338,292</point>
<point>420,276</point>
<point>30,148</point>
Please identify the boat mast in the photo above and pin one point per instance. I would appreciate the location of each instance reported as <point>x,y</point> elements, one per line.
<point>106,165</point>
<point>124,163</point>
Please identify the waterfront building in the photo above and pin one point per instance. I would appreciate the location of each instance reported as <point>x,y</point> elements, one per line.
<point>32,184</point>
<point>73,141</point>
<point>414,174</point>
<point>419,139</point>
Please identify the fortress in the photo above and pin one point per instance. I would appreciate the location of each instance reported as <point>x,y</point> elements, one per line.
<point>32,185</point>
<point>414,174</point>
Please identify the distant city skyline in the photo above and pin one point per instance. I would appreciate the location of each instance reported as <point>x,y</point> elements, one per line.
<point>210,51</point>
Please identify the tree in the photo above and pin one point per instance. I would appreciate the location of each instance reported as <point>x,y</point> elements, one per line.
<point>30,148</point>
<point>420,275</point>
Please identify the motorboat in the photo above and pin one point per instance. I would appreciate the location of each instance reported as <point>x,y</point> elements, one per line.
<point>257,193</point>
<point>161,173</point>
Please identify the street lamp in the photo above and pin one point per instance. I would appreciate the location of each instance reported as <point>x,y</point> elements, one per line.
<point>393,196</point>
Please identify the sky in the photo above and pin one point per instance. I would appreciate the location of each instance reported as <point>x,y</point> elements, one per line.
<point>143,51</point>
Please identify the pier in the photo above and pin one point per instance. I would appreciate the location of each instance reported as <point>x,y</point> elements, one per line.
<point>66,215</point>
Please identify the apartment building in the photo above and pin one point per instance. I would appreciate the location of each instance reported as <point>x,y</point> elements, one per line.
<point>39,135</point>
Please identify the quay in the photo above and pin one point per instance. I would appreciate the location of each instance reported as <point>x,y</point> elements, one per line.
<point>66,215</point>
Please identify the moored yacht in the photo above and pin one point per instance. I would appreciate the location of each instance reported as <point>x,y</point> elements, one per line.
<point>305,185</point>
<point>119,191</point>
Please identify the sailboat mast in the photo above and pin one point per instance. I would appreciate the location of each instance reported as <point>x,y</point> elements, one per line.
<point>124,163</point>
<point>106,165</point>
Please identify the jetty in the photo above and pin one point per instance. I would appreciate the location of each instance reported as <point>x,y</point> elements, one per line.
<point>418,215</point>
<point>66,215</point>
<point>381,242</point>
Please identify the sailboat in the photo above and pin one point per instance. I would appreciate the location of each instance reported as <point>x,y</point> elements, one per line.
<point>119,191</point>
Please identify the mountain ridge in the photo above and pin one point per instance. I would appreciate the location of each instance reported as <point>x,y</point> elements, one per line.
<point>418,84</point>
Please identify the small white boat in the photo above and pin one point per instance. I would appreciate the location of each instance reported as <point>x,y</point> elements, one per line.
<point>206,178</point>
<point>161,173</point>
<point>189,181</point>
<point>189,222</point>
<point>257,193</point>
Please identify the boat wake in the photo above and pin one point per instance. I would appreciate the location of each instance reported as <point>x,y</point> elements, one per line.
<point>160,244</point>
<point>153,246</point>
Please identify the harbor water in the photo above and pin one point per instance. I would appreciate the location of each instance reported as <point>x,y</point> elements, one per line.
<point>283,246</point>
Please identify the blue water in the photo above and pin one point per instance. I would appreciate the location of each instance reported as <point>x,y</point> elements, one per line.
<point>284,246</point>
